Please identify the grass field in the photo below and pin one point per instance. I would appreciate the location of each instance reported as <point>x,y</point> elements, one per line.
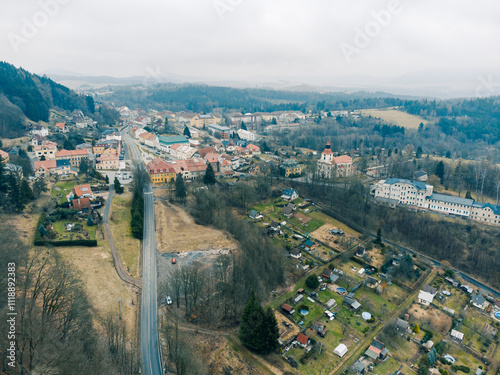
<point>127,245</point>
<point>395,117</point>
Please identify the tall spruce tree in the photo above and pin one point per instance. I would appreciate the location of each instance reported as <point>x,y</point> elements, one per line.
<point>180,188</point>
<point>259,329</point>
<point>187,132</point>
<point>209,178</point>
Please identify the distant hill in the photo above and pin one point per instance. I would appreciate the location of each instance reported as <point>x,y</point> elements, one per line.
<point>26,94</point>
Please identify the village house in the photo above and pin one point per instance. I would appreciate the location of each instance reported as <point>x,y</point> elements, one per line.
<point>213,160</point>
<point>302,340</point>
<point>37,140</point>
<point>82,191</point>
<point>182,151</point>
<point>377,351</point>
<point>253,149</point>
<point>189,168</point>
<point>425,298</point>
<point>61,127</point>
<point>290,168</point>
<point>74,156</point>
<point>47,149</point>
<point>287,309</point>
<point>80,204</point>
<point>40,130</point>
<point>421,176</point>
<point>295,253</point>
<point>479,301</point>
<point>45,168</point>
<point>108,161</point>
<point>254,215</point>
<point>330,166</point>
<point>320,328</point>
<point>290,194</point>
<point>457,335</point>
<point>160,171</point>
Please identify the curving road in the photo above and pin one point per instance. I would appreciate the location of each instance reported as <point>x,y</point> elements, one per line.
<point>151,350</point>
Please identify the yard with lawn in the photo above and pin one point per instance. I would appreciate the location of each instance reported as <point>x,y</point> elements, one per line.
<point>372,302</point>
<point>389,366</point>
<point>353,321</point>
<point>64,235</point>
<point>63,187</point>
<point>402,349</point>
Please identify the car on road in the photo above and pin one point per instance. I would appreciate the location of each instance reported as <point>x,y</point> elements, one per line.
<point>174,260</point>
<point>169,300</point>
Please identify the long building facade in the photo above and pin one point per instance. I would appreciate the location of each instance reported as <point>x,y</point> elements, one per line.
<point>418,194</point>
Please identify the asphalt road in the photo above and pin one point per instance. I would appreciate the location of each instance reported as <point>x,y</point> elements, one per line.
<point>151,356</point>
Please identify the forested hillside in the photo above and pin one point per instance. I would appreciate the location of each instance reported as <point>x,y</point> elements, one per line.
<point>203,98</point>
<point>26,94</point>
<point>469,119</point>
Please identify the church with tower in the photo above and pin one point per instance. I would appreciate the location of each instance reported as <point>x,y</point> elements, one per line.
<point>330,166</point>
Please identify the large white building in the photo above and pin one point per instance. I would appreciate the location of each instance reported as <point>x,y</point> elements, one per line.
<point>419,194</point>
<point>246,135</point>
<point>408,192</point>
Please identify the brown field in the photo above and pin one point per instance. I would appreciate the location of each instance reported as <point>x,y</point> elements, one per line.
<point>393,116</point>
<point>128,246</point>
<point>323,234</point>
<point>8,143</point>
<point>286,333</point>
<point>103,286</point>
<point>376,257</point>
<point>176,231</point>
<point>438,319</point>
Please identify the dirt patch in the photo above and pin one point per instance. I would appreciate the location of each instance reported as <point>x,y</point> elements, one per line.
<point>339,243</point>
<point>288,330</point>
<point>177,232</point>
<point>376,258</point>
<point>437,319</point>
<point>303,218</point>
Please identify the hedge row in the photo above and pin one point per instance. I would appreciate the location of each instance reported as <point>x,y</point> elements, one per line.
<point>88,243</point>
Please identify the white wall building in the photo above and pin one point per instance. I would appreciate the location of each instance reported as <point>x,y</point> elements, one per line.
<point>408,192</point>
<point>246,135</point>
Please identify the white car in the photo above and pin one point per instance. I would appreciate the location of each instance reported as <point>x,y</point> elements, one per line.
<point>169,300</point>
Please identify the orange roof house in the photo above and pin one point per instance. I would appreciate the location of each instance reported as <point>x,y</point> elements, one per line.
<point>82,191</point>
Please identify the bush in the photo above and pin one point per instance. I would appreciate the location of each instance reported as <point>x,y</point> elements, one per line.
<point>312,281</point>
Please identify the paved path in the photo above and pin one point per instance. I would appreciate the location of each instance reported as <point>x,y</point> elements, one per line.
<point>117,262</point>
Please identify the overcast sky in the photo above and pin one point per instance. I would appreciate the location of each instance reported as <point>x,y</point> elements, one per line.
<point>251,39</point>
